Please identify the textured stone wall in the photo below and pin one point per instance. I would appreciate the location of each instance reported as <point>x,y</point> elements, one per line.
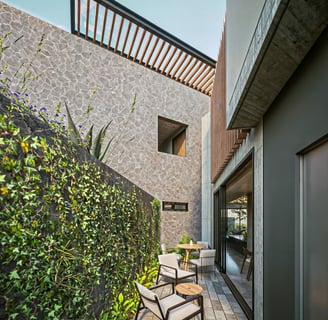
<point>71,67</point>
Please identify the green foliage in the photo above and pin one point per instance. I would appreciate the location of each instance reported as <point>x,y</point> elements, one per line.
<point>71,243</point>
<point>127,302</point>
<point>94,147</point>
<point>185,238</point>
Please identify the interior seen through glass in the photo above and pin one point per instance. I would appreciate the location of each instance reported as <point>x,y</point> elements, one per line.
<point>239,231</point>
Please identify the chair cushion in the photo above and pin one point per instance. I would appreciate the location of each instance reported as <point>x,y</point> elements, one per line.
<point>169,259</point>
<point>206,258</point>
<point>151,305</point>
<point>170,273</point>
<point>196,261</point>
<point>180,312</point>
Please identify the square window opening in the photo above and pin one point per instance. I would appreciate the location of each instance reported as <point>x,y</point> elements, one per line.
<point>172,137</point>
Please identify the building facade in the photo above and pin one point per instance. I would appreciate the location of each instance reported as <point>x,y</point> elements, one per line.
<point>70,68</point>
<point>269,189</point>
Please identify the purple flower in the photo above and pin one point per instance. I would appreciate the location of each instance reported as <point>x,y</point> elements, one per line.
<point>43,109</point>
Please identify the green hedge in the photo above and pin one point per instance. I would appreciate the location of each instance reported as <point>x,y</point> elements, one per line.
<point>72,239</point>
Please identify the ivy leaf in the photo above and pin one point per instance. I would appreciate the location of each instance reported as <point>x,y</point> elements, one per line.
<point>14,275</point>
<point>2,178</point>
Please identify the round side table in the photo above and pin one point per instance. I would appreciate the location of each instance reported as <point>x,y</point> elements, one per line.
<point>188,289</point>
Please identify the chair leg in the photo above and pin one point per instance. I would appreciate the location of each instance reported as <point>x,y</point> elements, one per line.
<point>138,309</point>
<point>201,304</point>
<point>157,278</point>
<point>244,260</point>
<point>250,268</point>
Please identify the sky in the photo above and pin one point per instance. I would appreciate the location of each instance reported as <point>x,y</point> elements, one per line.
<point>198,23</point>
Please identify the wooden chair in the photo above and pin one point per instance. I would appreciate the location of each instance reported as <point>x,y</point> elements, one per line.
<point>248,255</point>
<point>171,307</point>
<point>196,253</point>
<point>206,259</point>
<point>169,268</point>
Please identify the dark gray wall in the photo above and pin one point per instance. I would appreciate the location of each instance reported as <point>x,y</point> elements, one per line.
<point>297,118</point>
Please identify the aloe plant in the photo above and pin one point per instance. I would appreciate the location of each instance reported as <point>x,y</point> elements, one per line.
<point>94,147</point>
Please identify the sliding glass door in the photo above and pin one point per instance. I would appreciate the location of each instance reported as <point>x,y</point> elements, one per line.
<point>233,209</point>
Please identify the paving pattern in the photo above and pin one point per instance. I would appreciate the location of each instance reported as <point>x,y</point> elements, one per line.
<point>219,303</point>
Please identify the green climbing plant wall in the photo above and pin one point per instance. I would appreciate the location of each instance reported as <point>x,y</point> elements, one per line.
<point>73,238</point>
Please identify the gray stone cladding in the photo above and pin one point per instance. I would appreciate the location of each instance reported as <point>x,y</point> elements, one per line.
<point>70,67</point>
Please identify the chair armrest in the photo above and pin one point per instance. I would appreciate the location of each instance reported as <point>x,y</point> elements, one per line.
<point>166,266</point>
<point>163,285</point>
<point>190,299</point>
<point>170,267</point>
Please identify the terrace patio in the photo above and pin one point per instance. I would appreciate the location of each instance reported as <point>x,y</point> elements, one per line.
<point>219,302</point>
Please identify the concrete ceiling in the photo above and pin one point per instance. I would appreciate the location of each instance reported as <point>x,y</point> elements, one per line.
<point>293,31</point>
<point>240,184</point>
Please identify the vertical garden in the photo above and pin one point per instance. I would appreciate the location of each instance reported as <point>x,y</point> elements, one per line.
<point>74,234</point>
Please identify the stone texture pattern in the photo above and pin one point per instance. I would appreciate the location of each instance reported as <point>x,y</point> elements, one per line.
<point>70,67</point>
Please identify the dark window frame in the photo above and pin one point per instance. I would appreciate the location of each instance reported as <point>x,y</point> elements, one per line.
<point>174,206</point>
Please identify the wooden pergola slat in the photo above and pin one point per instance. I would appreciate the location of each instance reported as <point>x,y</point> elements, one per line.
<point>104,27</point>
<point>158,54</point>
<point>96,24</point>
<point>133,41</point>
<point>146,48</point>
<point>87,21</point>
<point>151,51</point>
<point>194,71</point>
<point>126,37</point>
<point>111,30</point>
<point>173,64</point>
<point>182,62</point>
<point>119,34</point>
<point>163,57</point>
<point>199,74</point>
<point>185,55</point>
<point>139,45</point>
<point>183,68</point>
<point>188,71</point>
<point>169,59</point>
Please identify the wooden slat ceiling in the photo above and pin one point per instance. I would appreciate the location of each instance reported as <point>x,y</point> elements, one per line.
<point>120,30</point>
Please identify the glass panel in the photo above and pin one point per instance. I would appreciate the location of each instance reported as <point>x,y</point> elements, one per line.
<point>239,231</point>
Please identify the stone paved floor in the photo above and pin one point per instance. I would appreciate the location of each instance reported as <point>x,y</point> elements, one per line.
<point>219,303</point>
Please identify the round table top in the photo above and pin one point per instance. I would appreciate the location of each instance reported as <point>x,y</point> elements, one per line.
<point>189,246</point>
<point>188,289</point>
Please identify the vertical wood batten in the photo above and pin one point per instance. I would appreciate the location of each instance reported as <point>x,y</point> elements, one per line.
<point>224,143</point>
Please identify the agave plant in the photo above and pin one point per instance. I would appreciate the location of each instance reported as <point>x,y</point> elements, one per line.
<point>94,147</point>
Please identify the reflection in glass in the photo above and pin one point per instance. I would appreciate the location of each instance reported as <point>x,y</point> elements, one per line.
<point>239,232</point>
